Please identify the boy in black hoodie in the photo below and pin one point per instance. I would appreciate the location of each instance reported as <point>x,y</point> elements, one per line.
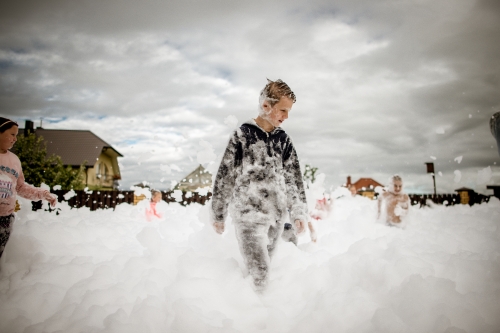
<point>260,181</point>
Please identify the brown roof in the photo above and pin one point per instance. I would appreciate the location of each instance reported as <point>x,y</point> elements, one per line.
<point>74,146</point>
<point>464,189</point>
<point>366,182</point>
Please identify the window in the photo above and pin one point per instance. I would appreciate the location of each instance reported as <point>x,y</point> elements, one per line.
<point>101,171</point>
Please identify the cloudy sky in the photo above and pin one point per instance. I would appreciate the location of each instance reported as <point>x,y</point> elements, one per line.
<point>382,86</point>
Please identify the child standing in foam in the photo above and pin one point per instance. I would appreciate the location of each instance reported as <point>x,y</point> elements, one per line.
<point>353,190</point>
<point>12,181</point>
<point>151,210</point>
<point>322,208</point>
<point>397,203</point>
<point>259,181</point>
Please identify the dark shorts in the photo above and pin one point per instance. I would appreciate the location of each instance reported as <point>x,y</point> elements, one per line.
<point>5,229</point>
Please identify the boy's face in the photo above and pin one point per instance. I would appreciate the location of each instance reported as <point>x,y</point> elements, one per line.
<point>8,138</point>
<point>279,112</point>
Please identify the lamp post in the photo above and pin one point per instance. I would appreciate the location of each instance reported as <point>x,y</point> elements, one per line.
<point>430,169</point>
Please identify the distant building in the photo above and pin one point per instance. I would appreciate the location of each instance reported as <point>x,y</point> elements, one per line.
<point>466,195</point>
<point>76,147</point>
<point>142,185</point>
<point>198,178</point>
<point>364,186</point>
<point>496,190</point>
<point>471,197</point>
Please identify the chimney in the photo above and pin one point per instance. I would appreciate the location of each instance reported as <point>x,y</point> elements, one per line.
<point>28,128</point>
<point>348,181</point>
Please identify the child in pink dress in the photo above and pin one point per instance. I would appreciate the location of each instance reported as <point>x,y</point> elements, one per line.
<point>321,211</point>
<point>12,181</point>
<point>151,210</point>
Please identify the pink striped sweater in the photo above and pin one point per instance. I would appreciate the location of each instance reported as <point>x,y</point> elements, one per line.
<point>12,184</point>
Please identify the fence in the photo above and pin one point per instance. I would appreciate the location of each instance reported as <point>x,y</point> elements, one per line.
<point>447,199</point>
<point>110,199</point>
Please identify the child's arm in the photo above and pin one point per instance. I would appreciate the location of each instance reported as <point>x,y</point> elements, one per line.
<point>296,196</point>
<point>379,204</point>
<point>34,193</point>
<point>314,236</point>
<point>149,213</point>
<point>224,183</point>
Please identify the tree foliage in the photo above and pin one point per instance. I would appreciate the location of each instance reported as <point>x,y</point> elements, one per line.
<point>310,173</point>
<point>39,168</point>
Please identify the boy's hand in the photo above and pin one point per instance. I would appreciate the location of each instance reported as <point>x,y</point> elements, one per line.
<point>218,227</point>
<point>51,198</point>
<point>300,225</point>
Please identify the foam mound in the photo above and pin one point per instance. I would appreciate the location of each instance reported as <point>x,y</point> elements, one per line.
<point>111,271</point>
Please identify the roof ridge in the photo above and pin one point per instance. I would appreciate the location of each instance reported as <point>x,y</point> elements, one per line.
<point>58,129</point>
<point>89,131</point>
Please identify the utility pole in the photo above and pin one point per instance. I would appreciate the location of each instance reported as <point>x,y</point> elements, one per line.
<point>430,169</point>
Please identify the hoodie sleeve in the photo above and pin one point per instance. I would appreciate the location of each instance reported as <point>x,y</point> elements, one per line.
<point>296,196</point>
<point>224,181</point>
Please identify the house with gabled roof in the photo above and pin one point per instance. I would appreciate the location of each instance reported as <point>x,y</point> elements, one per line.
<point>77,147</point>
<point>364,186</point>
<point>198,178</point>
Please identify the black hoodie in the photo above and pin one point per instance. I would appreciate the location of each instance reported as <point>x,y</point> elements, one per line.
<point>259,178</point>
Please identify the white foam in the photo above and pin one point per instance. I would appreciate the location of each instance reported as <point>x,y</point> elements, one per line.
<point>484,175</point>
<point>111,271</point>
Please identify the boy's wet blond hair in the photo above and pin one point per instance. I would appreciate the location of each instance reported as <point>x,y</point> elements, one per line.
<point>274,90</point>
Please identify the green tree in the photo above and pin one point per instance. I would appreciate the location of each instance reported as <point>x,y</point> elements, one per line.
<point>39,168</point>
<point>310,173</point>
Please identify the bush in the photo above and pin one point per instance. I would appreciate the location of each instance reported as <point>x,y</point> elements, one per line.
<point>310,173</point>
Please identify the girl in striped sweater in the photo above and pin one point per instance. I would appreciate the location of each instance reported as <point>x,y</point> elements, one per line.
<point>12,181</point>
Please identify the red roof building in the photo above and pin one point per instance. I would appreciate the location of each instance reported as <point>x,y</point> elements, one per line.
<point>364,186</point>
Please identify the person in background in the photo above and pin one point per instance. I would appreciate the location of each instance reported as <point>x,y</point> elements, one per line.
<point>322,209</point>
<point>395,202</point>
<point>12,181</point>
<point>353,190</point>
<point>151,210</point>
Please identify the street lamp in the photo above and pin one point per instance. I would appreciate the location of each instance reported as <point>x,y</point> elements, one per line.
<point>430,169</point>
